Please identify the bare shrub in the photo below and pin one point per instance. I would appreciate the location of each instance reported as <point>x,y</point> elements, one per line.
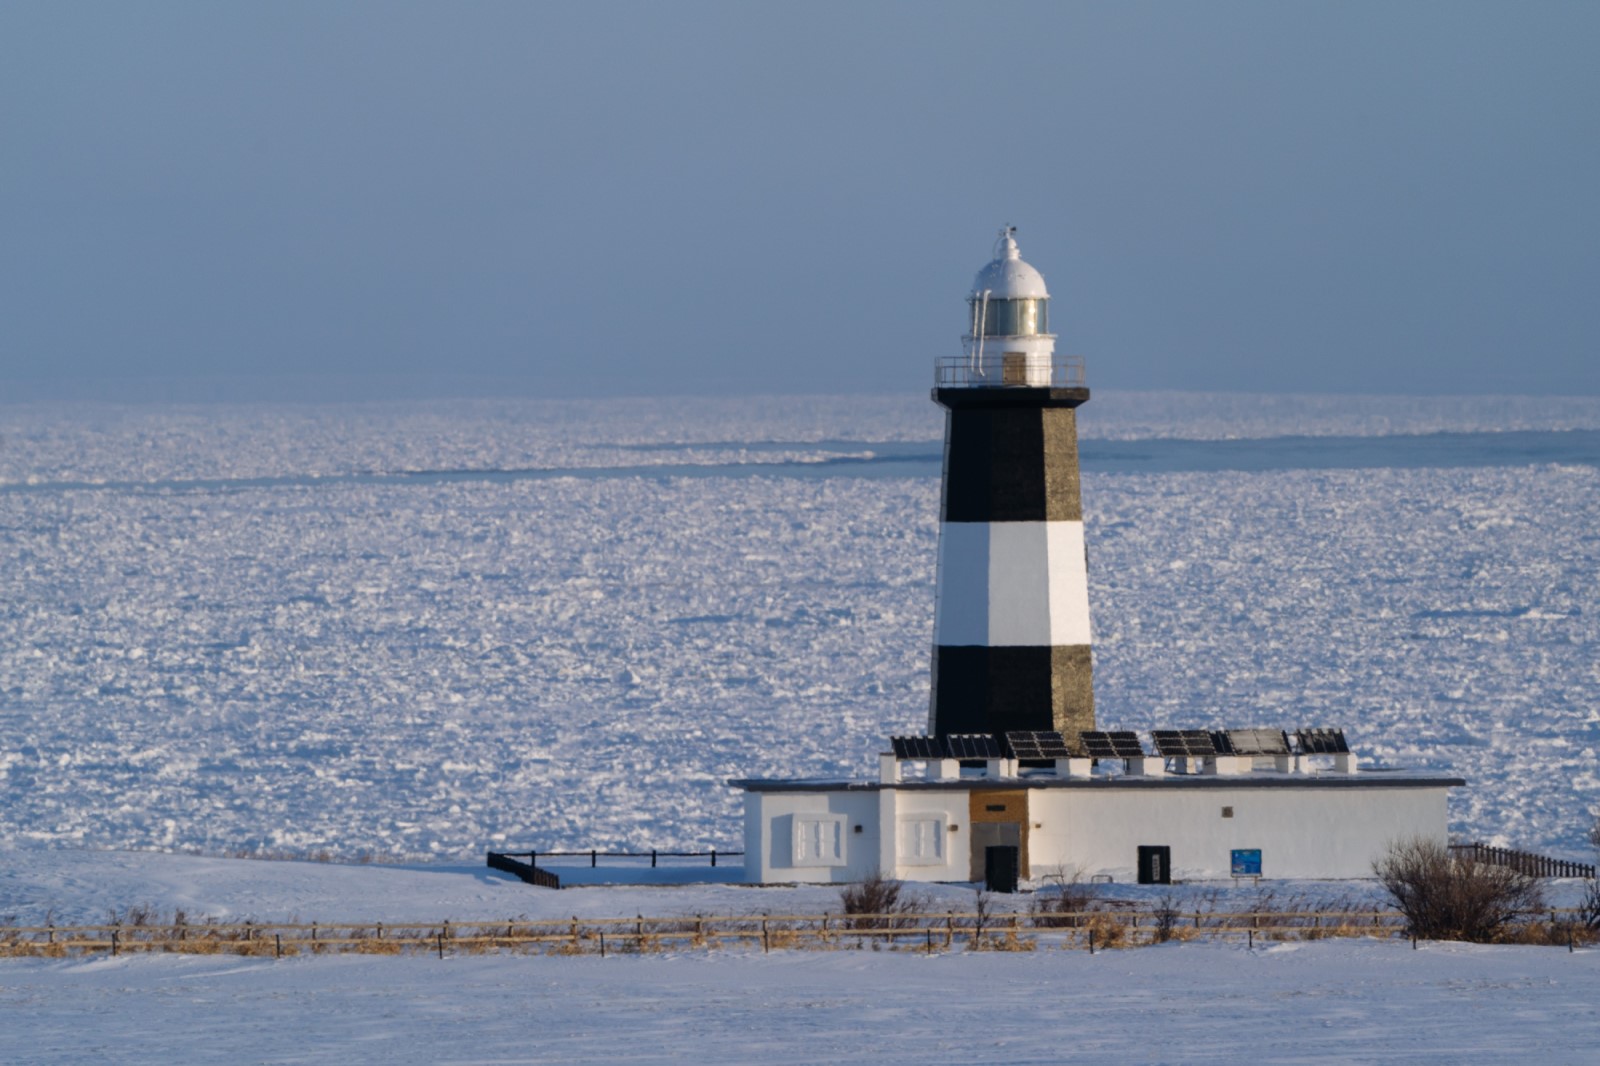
<point>1166,916</point>
<point>1063,902</point>
<point>137,915</point>
<point>1108,929</point>
<point>1010,942</point>
<point>880,902</point>
<point>982,914</point>
<point>1589,906</point>
<point>1448,898</point>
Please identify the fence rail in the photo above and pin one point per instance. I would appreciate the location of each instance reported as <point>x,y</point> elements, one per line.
<point>534,874</point>
<point>1524,862</point>
<point>1091,929</point>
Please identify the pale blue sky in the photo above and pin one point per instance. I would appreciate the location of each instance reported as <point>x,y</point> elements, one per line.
<point>374,199</point>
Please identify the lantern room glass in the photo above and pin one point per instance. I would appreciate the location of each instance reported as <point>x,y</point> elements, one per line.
<point>1011,318</point>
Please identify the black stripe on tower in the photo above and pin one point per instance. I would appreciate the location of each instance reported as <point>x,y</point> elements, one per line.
<point>996,690</point>
<point>1011,455</point>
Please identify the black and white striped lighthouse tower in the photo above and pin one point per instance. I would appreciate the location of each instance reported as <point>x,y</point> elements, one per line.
<point>1011,629</point>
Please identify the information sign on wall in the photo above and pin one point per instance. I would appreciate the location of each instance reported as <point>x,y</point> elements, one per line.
<point>1247,862</point>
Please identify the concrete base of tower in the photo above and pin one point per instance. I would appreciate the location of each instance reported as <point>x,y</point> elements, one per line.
<point>998,690</point>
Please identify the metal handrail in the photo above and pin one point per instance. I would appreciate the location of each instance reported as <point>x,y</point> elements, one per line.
<point>1066,372</point>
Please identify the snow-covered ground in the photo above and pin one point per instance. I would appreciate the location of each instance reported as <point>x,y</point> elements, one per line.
<point>1342,1001</point>
<point>1329,1001</point>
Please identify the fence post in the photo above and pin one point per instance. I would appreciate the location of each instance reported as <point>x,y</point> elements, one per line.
<point>113,943</point>
<point>1251,933</point>
<point>592,857</point>
<point>602,945</point>
<point>652,858</point>
<point>766,942</point>
<point>441,945</point>
<point>1091,940</point>
<point>278,940</point>
<point>713,857</point>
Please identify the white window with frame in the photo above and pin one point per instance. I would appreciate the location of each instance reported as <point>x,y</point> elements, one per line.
<point>819,839</point>
<point>922,840</point>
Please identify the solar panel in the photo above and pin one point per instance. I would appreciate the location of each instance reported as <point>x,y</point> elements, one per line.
<point>1322,742</point>
<point>972,746</point>
<point>1250,742</point>
<point>1046,744</point>
<point>1098,744</point>
<point>1183,743</point>
<point>917,747</point>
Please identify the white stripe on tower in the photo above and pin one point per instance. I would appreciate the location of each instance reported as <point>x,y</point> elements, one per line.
<point>1012,584</point>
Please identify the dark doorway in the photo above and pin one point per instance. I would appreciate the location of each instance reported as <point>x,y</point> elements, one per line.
<point>1000,868</point>
<point>989,835</point>
<point>1155,864</point>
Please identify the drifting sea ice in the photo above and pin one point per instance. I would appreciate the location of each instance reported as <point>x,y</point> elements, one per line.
<point>432,669</point>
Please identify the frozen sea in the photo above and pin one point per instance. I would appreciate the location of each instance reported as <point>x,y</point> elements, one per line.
<point>423,630</point>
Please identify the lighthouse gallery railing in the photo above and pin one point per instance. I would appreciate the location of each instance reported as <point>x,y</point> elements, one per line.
<point>956,372</point>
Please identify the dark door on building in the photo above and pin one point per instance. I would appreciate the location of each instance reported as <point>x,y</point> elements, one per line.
<point>986,835</point>
<point>1155,864</point>
<point>1000,868</point>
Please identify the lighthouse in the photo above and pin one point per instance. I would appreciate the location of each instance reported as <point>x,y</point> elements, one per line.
<point>1011,622</point>
<point>1014,777</point>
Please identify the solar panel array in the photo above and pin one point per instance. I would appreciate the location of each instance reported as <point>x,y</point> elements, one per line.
<point>1098,744</point>
<point>1183,743</point>
<point>1250,742</point>
<point>972,746</point>
<point>1047,744</point>
<point>1322,742</point>
<point>1121,744</point>
<point>917,747</point>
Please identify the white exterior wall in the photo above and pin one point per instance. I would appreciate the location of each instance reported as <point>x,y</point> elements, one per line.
<point>901,812</point>
<point>769,835</point>
<point>1301,831</point>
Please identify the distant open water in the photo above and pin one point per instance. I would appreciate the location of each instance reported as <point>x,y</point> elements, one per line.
<point>923,459</point>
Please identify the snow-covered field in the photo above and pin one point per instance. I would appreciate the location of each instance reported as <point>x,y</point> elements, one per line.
<point>1339,1001</point>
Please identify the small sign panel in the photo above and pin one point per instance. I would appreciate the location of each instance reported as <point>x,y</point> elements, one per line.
<point>1247,862</point>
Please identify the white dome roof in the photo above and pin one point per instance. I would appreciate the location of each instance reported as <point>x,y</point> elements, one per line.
<point>1007,277</point>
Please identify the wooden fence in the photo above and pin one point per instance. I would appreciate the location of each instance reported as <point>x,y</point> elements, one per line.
<point>1524,862</point>
<point>1091,930</point>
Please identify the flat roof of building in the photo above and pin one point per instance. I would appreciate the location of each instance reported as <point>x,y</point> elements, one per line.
<point>1267,779</point>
